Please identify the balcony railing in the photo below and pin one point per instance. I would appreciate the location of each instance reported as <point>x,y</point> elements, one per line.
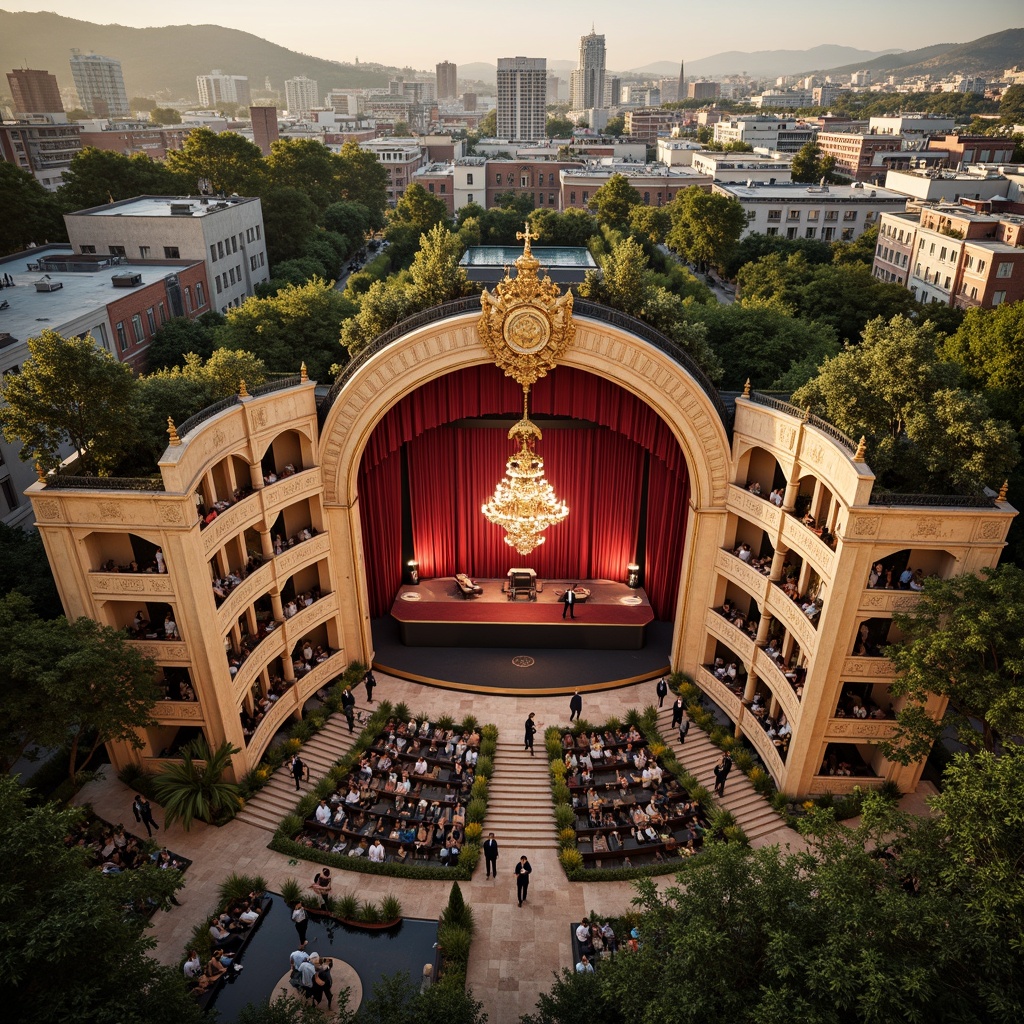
<point>815,421</point>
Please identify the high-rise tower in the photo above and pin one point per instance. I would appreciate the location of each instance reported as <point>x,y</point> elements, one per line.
<point>100,84</point>
<point>522,98</point>
<point>34,92</point>
<point>447,75</point>
<point>588,78</point>
<point>681,94</point>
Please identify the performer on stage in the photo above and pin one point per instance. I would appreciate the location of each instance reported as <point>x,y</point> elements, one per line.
<point>570,602</point>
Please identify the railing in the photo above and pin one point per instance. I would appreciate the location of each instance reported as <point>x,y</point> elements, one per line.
<point>815,421</point>
<point>276,385</point>
<point>933,500</point>
<point>581,307</point>
<point>208,413</point>
<point>65,481</point>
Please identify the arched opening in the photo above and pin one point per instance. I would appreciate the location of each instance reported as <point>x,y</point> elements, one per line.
<point>289,453</point>
<point>760,472</point>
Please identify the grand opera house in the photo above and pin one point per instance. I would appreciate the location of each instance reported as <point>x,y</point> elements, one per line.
<point>427,513</point>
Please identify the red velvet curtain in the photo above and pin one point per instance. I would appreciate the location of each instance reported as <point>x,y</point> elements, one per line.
<point>598,473</point>
<point>380,505</point>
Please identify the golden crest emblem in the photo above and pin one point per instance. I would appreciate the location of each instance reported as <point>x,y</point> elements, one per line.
<point>526,323</point>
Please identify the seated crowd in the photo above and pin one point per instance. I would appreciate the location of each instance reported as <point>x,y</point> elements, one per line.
<point>155,564</point>
<point>821,531</point>
<point>810,606</point>
<point>251,722</point>
<point>853,705</point>
<point>778,728</point>
<point>629,811</point>
<point>739,619</point>
<point>207,515</point>
<point>883,578</point>
<point>795,674</point>
<point>142,629</point>
<point>404,800</point>
<point>776,496</point>
<point>744,554</point>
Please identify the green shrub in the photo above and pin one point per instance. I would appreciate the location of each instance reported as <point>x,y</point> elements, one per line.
<point>780,802</point>
<point>558,770</point>
<point>718,821</point>
<point>565,817</point>
<point>476,810</point>
<point>484,767</point>
<point>455,943</point>
<point>734,834</point>
<point>824,800</point>
<point>369,913</point>
<point>488,748</point>
<point>307,805</point>
<point>291,825</point>
<point>469,724</point>
<point>300,732</point>
<point>553,745</point>
<point>633,718</point>
<point>402,712</point>
<point>468,860</point>
<point>474,830</point>
<point>316,720</point>
<point>571,859</point>
<point>291,891</point>
<point>489,732</point>
<point>891,791</point>
<point>613,724</point>
<point>347,907</point>
<point>478,791</point>
<point>560,793</point>
<point>457,913</point>
<point>237,887</point>
<point>743,759</point>
<point>567,838</point>
<point>275,757</point>
<point>390,907</point>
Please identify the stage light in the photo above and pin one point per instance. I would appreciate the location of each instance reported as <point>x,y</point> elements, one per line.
<point>633,575</point>
<point>412,572</point>
<point>524,503</point>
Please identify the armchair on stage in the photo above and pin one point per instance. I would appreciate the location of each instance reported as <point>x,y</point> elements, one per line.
<point>521,583</point>
<point>466,586</point>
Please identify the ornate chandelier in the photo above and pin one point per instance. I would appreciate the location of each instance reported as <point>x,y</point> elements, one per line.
<point>524,503</point>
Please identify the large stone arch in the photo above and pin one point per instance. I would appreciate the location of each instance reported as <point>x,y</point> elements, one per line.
<point>436,349</point>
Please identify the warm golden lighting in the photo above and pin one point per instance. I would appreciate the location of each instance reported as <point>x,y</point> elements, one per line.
<point>524,504</point>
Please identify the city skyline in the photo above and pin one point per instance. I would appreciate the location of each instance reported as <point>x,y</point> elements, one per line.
<point>313,27</point>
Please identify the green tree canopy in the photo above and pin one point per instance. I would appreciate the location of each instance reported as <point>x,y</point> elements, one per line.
<point>1011,105</point>
<point>70,394</point>
<point>298,324</point>
<point>361,178</point>
<point>194,788</point>
<point>229,162</point>
<point>419,209</point>
<point>289,222</point>
<point>97,176</point>
<point>165,115</point>
<point>559,128</point>
<point>810,165</point>
<point>86,939</point>
<point>488,126</point>
<point>924,432</point>
<point>614,201</point>
<point>351,220</point>
<point>33,215</point>
<point>705,226</point>
<point>25,568</point>
<point>616,125</point>
<point>308,165</point>
<point>964,641</point>
<point>179,336</point>
<point>571,227</point>
<point>652,222</point>
<point>757,245</point>
<point>436,274</point>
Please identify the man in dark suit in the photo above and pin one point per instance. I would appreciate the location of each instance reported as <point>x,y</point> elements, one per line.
<point>575,706</point>
<point>684,728</point>
<point>491,855</point>
<point>722,770</point>
<point>570,602</point>
<point>523,869</point>
<point>662,691</point>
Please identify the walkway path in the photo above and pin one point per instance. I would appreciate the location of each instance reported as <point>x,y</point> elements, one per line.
<point>516,949</point>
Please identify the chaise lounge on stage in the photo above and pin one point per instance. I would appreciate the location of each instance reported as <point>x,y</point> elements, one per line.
<point>439,613</point>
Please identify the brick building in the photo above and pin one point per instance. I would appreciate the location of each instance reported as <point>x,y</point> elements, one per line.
<point>34,92</point>
<point>973,149</point>
<point>154,142</point>
<point>650,122</point>
<point>854,152</point>
<point>43,150</point>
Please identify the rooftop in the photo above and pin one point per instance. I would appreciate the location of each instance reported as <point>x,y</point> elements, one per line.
<point>563,264</point>
<point>606,170</point>
<point>163,206</point>
<point>30,312</point>
<point>823,193</point>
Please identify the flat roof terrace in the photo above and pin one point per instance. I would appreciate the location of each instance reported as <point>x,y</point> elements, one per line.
<point>563,264</point>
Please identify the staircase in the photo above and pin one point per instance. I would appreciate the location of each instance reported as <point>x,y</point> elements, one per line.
<point>519,808</point>
<point>699,756</point>
<point>278,797</point>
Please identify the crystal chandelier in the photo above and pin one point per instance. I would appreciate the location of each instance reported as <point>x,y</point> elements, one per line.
<point>524,503</point>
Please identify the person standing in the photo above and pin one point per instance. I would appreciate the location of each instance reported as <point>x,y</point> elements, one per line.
<point>348,706</point>
<point>491,854</point>
<point>575,706</point>
<point>144,814</point>
<point>298,768</point>
<point>531,731</point>
<point>677,713</point>
<point>662,691</point>
<point>722,770</point>
<point>301,919</point>
<point>370,683</point>
<point>684,728</point>
<point>322,886</point>
<point>570,602</point>
<point>523,871</point>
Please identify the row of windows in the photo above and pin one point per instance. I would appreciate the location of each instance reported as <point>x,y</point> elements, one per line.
<point>171,252</point>
<point>827,234</point>
<point>891,256</point>
<point>233,275</point>
<point>218,250</point>
<point>257,261</point>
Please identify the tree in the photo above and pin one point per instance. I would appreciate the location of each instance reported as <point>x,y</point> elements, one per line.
<point>924,432</point>
<point>298,324</point>
<point>32,214</point>
<point>362,179</point>
<point>70,392</point>
<point>395,1000</point>
<point>350,220</point>
<point>616,125</point>
<point>559,128</point>
<point>195,787</point>
<point>419,209</point>
<point>286,1009</point>
<point>652,222</point>
<point>229,162</point>
<point>97,176</point>
<point>572,227</point>
<point>488,126</point>
<point>384,305</point>
<point>179,336</point>
<point>308,165</point>
<point>116,979</point>
<point>289,222</point>
<point>165,115</point>
<point>436,274</point>
<point>756,245</point>
<point>614,201</point>
<point>810,165</point>
<point>1011,105</point>
<point>705,226</point>
<point>24,567</point>
<point>962,641</point>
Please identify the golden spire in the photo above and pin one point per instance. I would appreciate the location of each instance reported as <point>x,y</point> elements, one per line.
<point>242,392</point>
<point>746,389</point>
<point>526,236</point>
<point>1001,496</point>
<point>41,473</point>
<point>862,447</point>
<point>807,414</point>
<point>172,431</point>
<point>303,375</point>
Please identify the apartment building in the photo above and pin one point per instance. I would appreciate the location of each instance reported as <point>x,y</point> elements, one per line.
<point>647,123</point>
<point>401,158</point>
<point>772,134</point>
<point>973,149</point>
<point>226,233</point>
<point>657,184</point>
<point>522,97</point>
<point>744,167</point>
<point>99,84</point>
<point>43,150</point>
<point>855,152</point>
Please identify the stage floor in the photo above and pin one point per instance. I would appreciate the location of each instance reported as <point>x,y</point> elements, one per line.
<point>436,614</point>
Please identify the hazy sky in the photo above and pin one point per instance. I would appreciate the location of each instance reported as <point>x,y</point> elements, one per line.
<point>396,31</point>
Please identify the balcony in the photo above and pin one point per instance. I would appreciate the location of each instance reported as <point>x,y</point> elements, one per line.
<point>270,647</point>
<point>177,712</point>
<point>163,652</point>
<point>781,607</point>
<point>303,621</point>
<point>807,543</point>
<point>735,639</point>
<point>286,490</point>
<point>255,584</point>
<point>720,693</point>
<point>780,686</point>
<point>143,585</point>
<point>872,669</point>
<point>753,582</point>
<point>282,708</point>
<point>240,515</point>
<point>859,730</point>
<point>880,602</point>
<point>755,509</point>
<point>762,743</point>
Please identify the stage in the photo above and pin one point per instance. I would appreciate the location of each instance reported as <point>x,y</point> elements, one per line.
<point>436,614</point>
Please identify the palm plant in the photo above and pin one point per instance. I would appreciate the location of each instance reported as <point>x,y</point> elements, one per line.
<point>195,788</point>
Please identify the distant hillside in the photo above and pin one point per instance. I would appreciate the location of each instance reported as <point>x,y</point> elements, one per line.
<point>762,63</point>
<point>988,56</point>
<point>481,71</point>
<point>165,61</point>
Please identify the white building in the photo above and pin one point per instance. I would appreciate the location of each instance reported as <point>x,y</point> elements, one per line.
<point>99,84</point>
<point>522,98</point>
<point>587,82</point>
<point>831,213</point>
<point>227,233</point>
<point>911,125</point>
<point>217,88</point>
<point>944,185</point>
<point>301,96</point>
<point>743,167</point>
<point>677,152</point>
<point>778,134</point>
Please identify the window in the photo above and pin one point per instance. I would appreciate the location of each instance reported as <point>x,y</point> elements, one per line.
<point>931,249</point>
<point>261,259</point>
<point>238,273</point>
<point>946,284</point>
<point>847,234</point>
<point>88,249</point>
<point>200,295</point>
<point>774,216</point>
<point>572,198</point>
<point>163,312</point>
<point>791,232</point>
<point>116,250</point>
<point>10,494</point>
<point>831,215</point>
<point>122,337</point>
<point>469,198</point>
<point>231,274</point>
<point>810,232</point>
<point>217,284</point>
<point>813,215</point>
<point>827,234</point>
<point>772,231</point>
<point>586,198</point>
<point>551,199</point>
<point>171,252</point>
<point>1004,270</point>
<point>430,186</point>
<point>981,266</point>
<point>647,199</point>
<point>188,298</point>
<point>220,250</point>
<point>140,334</point>
<point>151,320</point>
<point>234,244</point>
<point>252,262</point>
<point>540,198</point>
<point>143,252</point>
<point>998,298</point>
<point>444,188</point>
<point>469,179</point>
<point>213,254</point>
<point>792,215</point>
<point>850,216</point>
<point>259,232</point>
